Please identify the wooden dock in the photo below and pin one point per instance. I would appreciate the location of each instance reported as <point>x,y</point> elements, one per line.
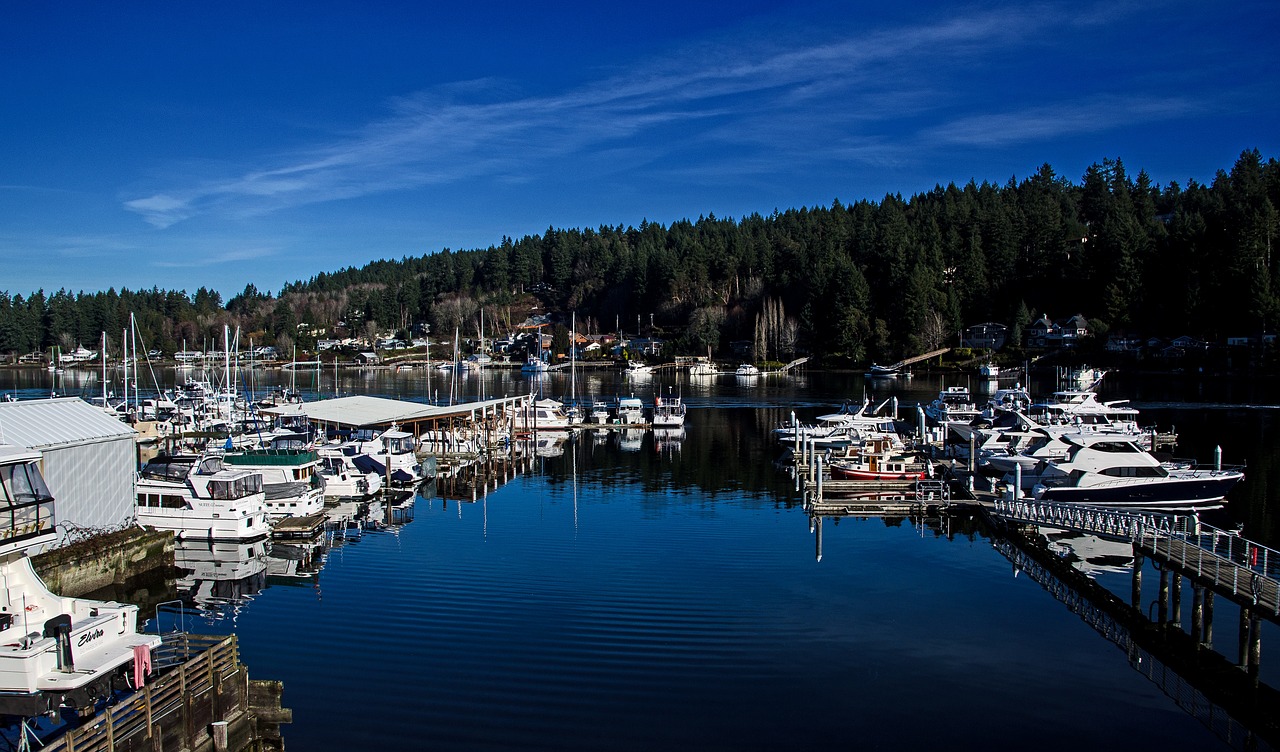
<point>202,700</point>
<point>299,528</point>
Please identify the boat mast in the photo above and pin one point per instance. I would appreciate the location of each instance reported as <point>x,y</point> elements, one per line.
<point>104,369</point>
<point>133,338</point>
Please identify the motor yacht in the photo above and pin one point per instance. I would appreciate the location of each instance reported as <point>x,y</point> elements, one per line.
<point>198,497</point>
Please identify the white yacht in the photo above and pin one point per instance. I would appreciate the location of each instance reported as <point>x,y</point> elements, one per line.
<point>54,651</point>
<point>197,497</point>
<point>630,411</point>
<point>550,415</point>
<point>291,479</point>
<point>599,414</point>
<point>390,454</point>
<point>636,369</point>
<point>747,370</point>
<point>342,479</point>
<point>954,404</point>
<point>1108,471</point>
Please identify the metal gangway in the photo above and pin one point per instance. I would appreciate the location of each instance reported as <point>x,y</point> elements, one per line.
<point>1246,571</point>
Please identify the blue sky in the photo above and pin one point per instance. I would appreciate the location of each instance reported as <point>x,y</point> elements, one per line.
<point>214,144</point>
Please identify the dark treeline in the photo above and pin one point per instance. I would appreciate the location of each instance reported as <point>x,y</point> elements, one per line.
<point>869,280</point>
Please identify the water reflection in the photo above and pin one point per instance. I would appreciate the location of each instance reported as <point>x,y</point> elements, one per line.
<point>220,577</point>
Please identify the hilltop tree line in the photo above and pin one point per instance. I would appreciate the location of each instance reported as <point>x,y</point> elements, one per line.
<point>868,280</point>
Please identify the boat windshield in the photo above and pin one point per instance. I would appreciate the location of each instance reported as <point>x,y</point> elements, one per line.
<point>239,487</point>
<point>167,469</point>
<point>23,484</point>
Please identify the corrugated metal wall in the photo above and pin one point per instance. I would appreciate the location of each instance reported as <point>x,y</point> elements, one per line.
<point>92,483</point>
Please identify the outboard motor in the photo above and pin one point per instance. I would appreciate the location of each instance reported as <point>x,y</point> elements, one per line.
<point>59,628</point>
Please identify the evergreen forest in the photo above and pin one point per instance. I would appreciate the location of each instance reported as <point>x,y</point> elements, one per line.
<point>847,283</point>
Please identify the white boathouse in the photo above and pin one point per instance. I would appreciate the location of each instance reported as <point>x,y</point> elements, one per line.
<point>89,459</point>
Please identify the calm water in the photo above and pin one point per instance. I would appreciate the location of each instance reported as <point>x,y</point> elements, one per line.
<point>670,597</point>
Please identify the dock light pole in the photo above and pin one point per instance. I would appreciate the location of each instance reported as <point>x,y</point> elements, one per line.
<point>895,407</point>
<point>920,416</point>
<point>1017,481</point>
<point>1217,458</point>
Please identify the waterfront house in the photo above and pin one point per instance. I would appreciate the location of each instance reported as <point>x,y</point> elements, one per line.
<point>988,335</point>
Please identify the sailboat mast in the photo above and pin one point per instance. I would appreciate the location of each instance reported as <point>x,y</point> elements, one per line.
<point>104,368</point>
<point>133,338</point>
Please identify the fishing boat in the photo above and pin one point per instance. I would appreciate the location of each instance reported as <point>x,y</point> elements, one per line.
<point>668,412</point>
<point>876,460</point>
<point>198,497</point>
<point>54,652</point>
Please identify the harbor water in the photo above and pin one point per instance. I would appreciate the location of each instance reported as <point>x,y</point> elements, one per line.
<point>667,592</point>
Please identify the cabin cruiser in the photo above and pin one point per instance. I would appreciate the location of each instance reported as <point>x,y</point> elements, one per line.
<point>54,651</point>
<point>534,365</point>
<point>1109,471</point>
<point>550,415</point>
<point>630,411</point>
<point>291,479</point>
<point>389,454</point>
<point>850,424</point>
<point>954,404</point>
<point>702,368</point>
<point>599,414</point>
<point>1083,408</point>
<point>747,370</point>
<point>876,460</point>
<point>198,497</point>
<point>668,412</point>
<point>637,369</point>
<point>342,479</point>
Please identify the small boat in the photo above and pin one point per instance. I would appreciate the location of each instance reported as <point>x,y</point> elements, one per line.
<point>989,370</point>
<point>882,372</point>
<point>636,369</point>
<point>630,411</point>
<point>599,414</point>
<point>668,412</point>
<point>550,415</point>
<point>747,370</point>
<point>197,497</point>
<point>875,460</point>
<point>534,365</point>
<point>343,480</point>
<point>702,368</point>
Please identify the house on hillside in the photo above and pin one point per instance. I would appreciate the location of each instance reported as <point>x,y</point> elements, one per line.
<point>988,335</point>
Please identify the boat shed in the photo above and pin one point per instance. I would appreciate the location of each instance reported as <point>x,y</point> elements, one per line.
<point>89,460</point>
<point>415,417</point>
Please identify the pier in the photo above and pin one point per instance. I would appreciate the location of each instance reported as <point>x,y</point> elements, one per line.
<point>1215,562</point>
<point>202,700</point>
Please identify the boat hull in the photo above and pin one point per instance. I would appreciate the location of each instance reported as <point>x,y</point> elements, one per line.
<point>1169,494</point>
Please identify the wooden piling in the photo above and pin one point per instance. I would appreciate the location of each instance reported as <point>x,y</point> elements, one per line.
<point>1175,602</point>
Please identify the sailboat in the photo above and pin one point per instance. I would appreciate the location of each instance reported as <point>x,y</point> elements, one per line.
<point>535,364</point>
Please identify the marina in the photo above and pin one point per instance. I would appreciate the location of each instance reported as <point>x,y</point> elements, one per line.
<point>689,575</point>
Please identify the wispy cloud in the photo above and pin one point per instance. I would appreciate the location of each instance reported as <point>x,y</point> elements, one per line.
<point>757,103</point>
<point>1093,115</point>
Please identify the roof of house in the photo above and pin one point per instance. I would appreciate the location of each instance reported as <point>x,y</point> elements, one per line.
<point>58,422</point>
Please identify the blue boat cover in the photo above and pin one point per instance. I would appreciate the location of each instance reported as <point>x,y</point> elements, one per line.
<point>366,464</point>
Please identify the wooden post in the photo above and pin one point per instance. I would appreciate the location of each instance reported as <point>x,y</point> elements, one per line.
<point>1243,656</point>
<point>149,705</point>
<point>1208,619</point>
<point>1163,610</point>
<point>218,731</point>
<point>1176,601</point>
<point>1135,599</point>
<point>111,730</point>
<point>1197,613</point>
<point>215,686</point>
<point>1255,646</point>
<point>188,716</point>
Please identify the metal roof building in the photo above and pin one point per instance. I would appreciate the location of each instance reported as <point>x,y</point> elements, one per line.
<point>370,412</point>
<point>89,459</point>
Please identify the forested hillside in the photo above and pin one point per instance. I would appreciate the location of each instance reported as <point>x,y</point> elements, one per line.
<point>846,282</point>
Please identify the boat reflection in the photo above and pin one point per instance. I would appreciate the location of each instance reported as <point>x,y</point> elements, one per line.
<point>220,576</point>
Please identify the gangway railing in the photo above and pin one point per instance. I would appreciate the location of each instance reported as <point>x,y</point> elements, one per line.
<point>1096,520</point>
